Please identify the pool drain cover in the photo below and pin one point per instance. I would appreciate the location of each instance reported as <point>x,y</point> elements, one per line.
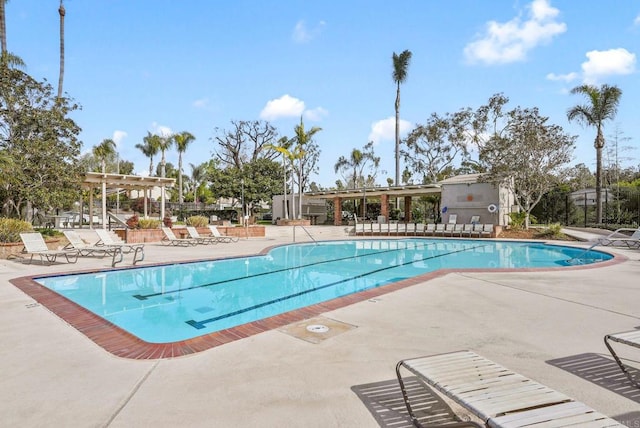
<point>317,328</point>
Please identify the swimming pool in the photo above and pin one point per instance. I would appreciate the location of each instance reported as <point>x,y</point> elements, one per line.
<point>177,302</point>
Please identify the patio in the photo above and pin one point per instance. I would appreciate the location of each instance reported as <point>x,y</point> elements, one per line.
<point>548,326</point>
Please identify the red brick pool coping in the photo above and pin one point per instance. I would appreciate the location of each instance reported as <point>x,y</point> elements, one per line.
<point>125,345</point>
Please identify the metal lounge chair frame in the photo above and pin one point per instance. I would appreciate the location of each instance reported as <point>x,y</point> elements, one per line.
<point>630,338</point>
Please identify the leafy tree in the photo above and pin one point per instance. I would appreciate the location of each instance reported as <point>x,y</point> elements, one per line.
<point>527,156</point>
<point>103,151</point>
<point>150,148</point>
<point>40,140</point>
<point>246,142</point>
<point>354,165</point>
<point>182,141</point>
<point>435,146</point>
<point>580,177</point>
<point>400,70</point>
<point>602,106</point>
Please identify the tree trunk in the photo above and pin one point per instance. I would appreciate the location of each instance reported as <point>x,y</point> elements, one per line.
<point>599,144</point>
<point>3,29</point>
<point>62,12</point>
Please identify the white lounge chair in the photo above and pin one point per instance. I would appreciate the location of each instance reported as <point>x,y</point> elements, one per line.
<point>496,395</point>
<point>105,238</point>
<point>193,233</point>
<point>171,239</point>
<point>220,237</point>
<point>619,239</point>
<point>35,245</point>
<point>84,249</point>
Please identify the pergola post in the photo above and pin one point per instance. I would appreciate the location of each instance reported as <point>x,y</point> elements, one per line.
<point>407,209</point>
<point>384,206</point>
<point>337,211</point>
<point>104,204</point>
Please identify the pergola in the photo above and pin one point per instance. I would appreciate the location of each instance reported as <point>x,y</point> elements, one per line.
<point>384,193</point>
<point>120,182</point>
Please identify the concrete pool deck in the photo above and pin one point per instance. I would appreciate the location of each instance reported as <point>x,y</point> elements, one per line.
<point>547,326</point>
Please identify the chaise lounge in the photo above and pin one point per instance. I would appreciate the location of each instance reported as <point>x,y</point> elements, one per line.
<point>35,245</point>
<point>497,396</point>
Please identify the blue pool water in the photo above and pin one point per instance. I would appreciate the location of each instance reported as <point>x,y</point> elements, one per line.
<point>168,303</point>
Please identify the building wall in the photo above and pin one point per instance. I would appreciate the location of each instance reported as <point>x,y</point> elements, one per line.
<point>469,199</point>
<point>315,208</point>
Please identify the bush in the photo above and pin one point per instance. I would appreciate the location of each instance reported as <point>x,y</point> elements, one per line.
<point>198,221</point>
<point>148,223</point>
<point>133,222</point>
<point>11,228</point>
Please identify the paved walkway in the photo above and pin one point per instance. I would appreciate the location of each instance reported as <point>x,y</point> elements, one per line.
<point>546,325</point>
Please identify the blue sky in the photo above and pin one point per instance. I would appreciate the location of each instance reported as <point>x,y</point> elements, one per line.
<point>195,65</point>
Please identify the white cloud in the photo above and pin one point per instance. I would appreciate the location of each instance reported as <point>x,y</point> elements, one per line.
<point>201,103</point>
<point>285,106</point>
<point>385,129</point>
<point>511,41</point>
<point>569,77</point>
<point>637,20</point>
<point>302,34</point>
<point>316,114</point>
<point>160,129</point>
<point>118,136</point>
<point>605,63</point>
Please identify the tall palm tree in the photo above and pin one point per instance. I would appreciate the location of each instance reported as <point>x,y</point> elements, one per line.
<point>602,106</point>
<point>182,140</point>
<point>356,163</point>
<point>198,174</point>
<point>283,146</point>
<point>6,58</point>
<point>103,151</point>
<point>302,138</point>
<point>164,143</point>
<point>400,67</point>
<point>61,12</point>
<point>150,148</point>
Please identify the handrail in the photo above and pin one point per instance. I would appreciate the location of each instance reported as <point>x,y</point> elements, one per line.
<point>578,257</point>
<point>117,219</point>
<point>306,231</point>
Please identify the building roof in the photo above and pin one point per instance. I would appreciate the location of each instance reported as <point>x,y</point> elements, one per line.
<point>407,190</point>
<point>121,181</point>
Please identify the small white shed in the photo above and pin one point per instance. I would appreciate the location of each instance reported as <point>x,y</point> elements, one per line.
<point>465,196</point>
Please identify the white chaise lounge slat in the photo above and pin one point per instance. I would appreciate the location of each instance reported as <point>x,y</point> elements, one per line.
<point>572,413</point>
<point>497,395</point>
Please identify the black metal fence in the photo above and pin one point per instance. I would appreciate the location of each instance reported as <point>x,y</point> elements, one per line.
<point>620,207</point>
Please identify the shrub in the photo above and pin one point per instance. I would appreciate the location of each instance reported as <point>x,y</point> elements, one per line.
<point>11,228</point>
<point>133,222</point>
<point>198,221</point>
<point>148,223</point>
